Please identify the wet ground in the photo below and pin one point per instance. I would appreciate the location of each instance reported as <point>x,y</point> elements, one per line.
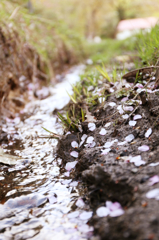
<point>36,199</point>
<point>115,159</point>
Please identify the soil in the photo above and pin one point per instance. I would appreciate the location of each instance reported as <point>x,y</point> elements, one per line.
<point>110,178</point>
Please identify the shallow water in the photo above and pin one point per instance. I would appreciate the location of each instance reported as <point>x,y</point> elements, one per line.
<point>35,198</point>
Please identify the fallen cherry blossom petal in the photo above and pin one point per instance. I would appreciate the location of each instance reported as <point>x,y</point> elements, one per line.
<point>74,184</point>
<point>148,132</point>
<point>85,215</point>
<point>84,228</point>
<point>114,206</point>
<point>74,154</point>
<point>80,203</point>
<point>120,109</point>
<point>91,126</point>
<point>117,213</point>
<point>90,145</point>
<point>102,212</point>
<point>107,124</point>
<point>128,108</point>
<point>124,99</point>
<point>102,131</point>
<point>153,193</point>
<point>112,104</point>
<point>66,174</point>
<point>137,161</point>
<point>73,214</point>
<point>129,138</point>
<point>105,151</point>
<point>52,199</point>
<point>122,143</point>
<point>70,165</point>
<point>139,85</point>
<point>143,148</point>
<point>125,116</point>
<point>154,164</point>
<point>74,144</point>
<point>90,139</point>
<point>84,136</point>
<point>111,90</point>
<point>153,180</point>
<point>132,123</point>
<point>136,117</point>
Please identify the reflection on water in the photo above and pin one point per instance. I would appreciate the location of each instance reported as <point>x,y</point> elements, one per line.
<point>35,198</point>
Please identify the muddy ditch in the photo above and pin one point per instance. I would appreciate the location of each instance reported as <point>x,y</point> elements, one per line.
<point>115,160</point>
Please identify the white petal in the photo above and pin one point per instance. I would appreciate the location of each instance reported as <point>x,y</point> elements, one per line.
<point>74,144</point>
<point>86,215</point>
<point>107,124</point>
<point>148,132</point>
<point>143,148</point>
<point>128,108</point>
<point>139,163</point>
<point>102,212</point>
<point>74,154</point>
<point>112,104</point>
<point>154,164</point>
<point>117,213</point>
<point>105,151</point>
<point>124,99</point>
<point>84,136</point>
<point>122,143</point>
<point>120,109</point>
<point>125,116</point>
<point>132,123</point>
<point>80,203</point>
<point>153,193</point>
<point>102,131</point>
<point>70,165</point>
<point>138,116</point>
<point>91,126</point>
<point>90,139</point>
<point>129,138</point>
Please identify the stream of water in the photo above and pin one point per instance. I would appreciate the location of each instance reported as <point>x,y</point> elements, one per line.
<point>36,199</point>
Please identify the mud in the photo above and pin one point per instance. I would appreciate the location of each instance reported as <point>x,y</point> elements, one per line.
<point>113,176</point>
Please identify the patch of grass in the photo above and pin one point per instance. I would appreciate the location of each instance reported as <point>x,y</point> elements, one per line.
<point>110,48</point>
<point>148,46</point>
<point>56,43</point>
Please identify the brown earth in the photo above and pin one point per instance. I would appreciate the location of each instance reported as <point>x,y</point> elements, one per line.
<point>109,178</point>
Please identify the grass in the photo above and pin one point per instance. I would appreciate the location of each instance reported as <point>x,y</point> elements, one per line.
<point>148,46</point>
<point>53,40</point>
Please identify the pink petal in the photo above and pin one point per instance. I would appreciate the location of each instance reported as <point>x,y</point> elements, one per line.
<point>139,85</point>
<point>143,148</point>
<point>74,154</point>
<point>74,184</point>
<point>73,214</point>
<point>124,99</point>
<point>52,199</point>
<point>148,132</point>
<point>138,116</point>
<point>70,165</point>
<point>153,180</point>
<point>114,206</point>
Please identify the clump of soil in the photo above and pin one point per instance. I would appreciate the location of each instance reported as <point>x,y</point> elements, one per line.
<point>114,176</point>
<point>20,65</point>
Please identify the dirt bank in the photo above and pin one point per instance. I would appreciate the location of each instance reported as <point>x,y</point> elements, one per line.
<point>115,159</point>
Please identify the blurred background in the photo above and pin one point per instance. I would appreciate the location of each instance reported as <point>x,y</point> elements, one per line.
<point>64,32</point>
